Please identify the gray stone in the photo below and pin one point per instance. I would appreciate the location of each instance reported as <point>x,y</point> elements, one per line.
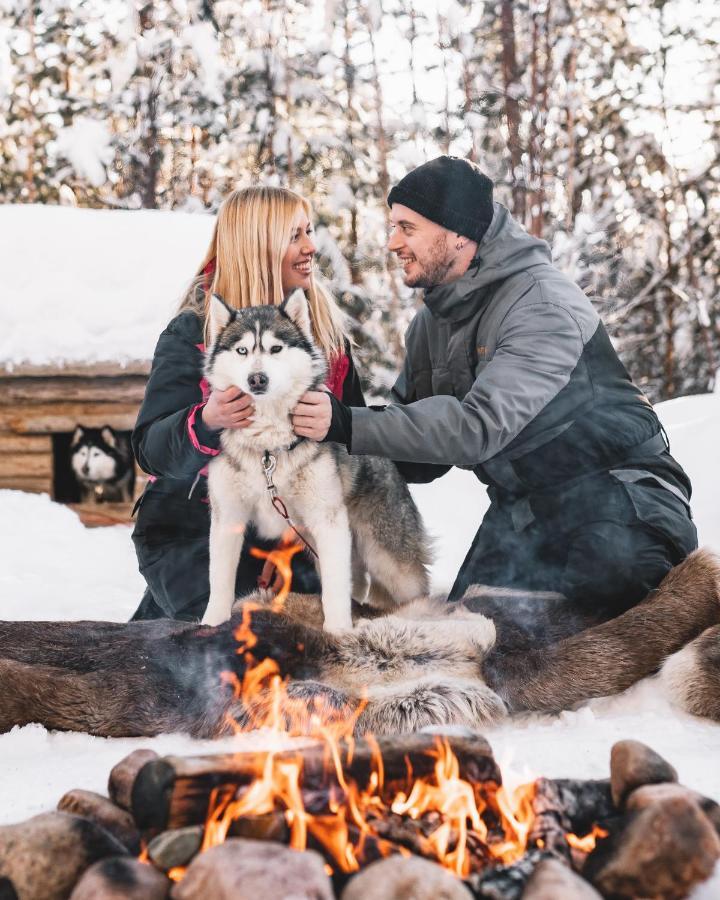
<point>551,880</point>
<point>120,878</point>
<point>665,850</point>
<point>44,857</point>
<point>242,869</point>
<point>649,794</point>
<point>176,847</point>
<point>400,878</point>
<point>633,764</point>
<point>105,813</point>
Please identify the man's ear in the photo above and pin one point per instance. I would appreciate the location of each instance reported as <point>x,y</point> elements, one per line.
<point>219,315</point>
<point>296,308</point>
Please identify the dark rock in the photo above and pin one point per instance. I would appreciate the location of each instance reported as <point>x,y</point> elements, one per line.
<point>175,848</point>
<point>105,813</point>
<point>664,851</point>
<point>398,878</point>
<point>247,870</point>
<point>120,878</point>
<point>552,880</point>
<point>44,857</point>
<point>633,764</point>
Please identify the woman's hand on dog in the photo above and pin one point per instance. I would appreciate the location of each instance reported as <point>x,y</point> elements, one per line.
<point>231,408</point>
<point>312,416</point>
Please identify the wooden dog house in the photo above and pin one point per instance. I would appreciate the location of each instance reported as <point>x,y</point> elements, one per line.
<point>40,407</point>
<point>88,293</point>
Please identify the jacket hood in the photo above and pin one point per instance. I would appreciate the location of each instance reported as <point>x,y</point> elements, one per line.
<point>505,249</point>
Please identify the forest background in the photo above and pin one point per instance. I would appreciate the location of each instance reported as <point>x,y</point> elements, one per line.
<point>598,120</point>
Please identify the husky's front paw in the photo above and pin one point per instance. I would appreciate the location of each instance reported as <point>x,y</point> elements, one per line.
<point>214,615</point>
<point>338,622</point>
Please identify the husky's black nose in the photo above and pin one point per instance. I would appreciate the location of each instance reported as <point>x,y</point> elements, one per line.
<point>258,382</point>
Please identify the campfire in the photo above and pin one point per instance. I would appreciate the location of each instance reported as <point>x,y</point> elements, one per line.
<point>328,814</point>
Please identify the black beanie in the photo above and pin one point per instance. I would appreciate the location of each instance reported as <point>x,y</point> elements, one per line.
<point>450,191</point>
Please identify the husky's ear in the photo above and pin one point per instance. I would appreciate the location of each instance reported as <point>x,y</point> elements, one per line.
<point>296,308</point>
<point>77,435</point>
<point>220,315</point>
<point>108,435</point>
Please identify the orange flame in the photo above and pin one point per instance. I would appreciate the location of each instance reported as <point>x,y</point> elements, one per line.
<point>451,813</point>
<point>281,557</point>
<point>586,844</point>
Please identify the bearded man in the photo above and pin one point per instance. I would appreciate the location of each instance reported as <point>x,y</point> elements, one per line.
<point>510,372</point>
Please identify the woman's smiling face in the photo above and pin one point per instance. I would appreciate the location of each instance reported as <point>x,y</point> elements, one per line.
<point>297,263</point>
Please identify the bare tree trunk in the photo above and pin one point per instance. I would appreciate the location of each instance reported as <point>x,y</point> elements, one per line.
<point>669,304</point>
<point>352,122</point>
<point>384,179</point>
<point>152,152</point>
<point>443,44</point>
<point>30,167</point>
<point>512,107</point>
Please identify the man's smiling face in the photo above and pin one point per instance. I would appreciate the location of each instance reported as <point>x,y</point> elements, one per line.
<point>425,249</point>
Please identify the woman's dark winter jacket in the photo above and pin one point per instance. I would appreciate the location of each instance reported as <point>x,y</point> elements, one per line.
<point>510,372</point>
<point>172,444</point>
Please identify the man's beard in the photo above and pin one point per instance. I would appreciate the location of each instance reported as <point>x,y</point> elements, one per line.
<point>434,267</point>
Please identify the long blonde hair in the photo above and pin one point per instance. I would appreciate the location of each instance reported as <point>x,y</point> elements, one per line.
<point>252,233</point>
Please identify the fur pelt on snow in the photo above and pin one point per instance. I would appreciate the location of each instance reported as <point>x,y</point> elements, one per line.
<point>429,663</point>
<point>473,661</point>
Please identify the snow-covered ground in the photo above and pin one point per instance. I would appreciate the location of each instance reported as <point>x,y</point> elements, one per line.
<point>100,285</point>
<point>54,568</point>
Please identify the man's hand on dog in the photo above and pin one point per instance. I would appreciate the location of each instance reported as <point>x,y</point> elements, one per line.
<point>231,408</point>
<point>312,416</point>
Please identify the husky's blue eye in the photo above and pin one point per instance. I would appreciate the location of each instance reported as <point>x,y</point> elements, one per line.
<point>242,351</point>
<point>276,348</point>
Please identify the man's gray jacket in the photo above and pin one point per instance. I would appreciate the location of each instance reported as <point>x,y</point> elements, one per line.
<point>510,371</point>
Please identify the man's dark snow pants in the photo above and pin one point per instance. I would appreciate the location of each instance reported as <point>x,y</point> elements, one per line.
<point>605,541</point>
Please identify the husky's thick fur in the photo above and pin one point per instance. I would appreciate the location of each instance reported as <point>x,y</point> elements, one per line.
<point>429,663</point>
<point>101,461</point>
<point>356,511</point>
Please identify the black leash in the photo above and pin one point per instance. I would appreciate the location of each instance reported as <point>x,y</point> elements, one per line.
<point>269,463</point>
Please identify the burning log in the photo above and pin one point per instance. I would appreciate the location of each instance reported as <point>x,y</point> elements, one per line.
<point>123,775</point>
<point>585,803</point>
<point>551,823</point>
<point>506,882</point>
<point>173,792</point>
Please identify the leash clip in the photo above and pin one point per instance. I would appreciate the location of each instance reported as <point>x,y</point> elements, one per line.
<point>269,464</point>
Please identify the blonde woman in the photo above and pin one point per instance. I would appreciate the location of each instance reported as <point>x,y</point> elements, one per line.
<point>262,249</point>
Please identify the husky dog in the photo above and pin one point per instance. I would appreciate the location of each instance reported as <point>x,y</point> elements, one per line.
<point>357,511</point>
<point>102,464</point>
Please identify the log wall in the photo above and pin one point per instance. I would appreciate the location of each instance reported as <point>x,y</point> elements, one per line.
<point>39,401</point>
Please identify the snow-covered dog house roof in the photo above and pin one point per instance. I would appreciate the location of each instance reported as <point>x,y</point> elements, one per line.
<point>86,294</point>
